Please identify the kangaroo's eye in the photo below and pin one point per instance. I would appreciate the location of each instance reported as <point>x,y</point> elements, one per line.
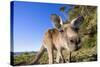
<point>71,41</point>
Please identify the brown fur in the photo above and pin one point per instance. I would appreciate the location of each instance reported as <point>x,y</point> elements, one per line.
<point>53,39</point>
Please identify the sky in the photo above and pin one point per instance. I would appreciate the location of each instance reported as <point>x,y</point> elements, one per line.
<point>30,21</point>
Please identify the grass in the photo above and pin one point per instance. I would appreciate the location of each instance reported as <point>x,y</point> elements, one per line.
<point>82,55</point>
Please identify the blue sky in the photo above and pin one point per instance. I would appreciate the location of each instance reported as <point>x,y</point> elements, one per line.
<point>31,20</point>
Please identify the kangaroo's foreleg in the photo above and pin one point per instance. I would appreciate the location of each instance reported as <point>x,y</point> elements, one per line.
<point>59,56</point>
<point>69,56</point>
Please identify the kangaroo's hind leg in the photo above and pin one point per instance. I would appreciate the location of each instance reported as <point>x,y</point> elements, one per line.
<point>50,55</point>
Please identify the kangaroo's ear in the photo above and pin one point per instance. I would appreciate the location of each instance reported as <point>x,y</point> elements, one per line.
<point>57,21</point>
<point>77,22</point>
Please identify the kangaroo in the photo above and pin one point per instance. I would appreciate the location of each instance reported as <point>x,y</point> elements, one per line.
<point>67,38</point>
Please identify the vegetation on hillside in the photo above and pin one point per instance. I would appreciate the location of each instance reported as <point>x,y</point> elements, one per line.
<point>88,33</point>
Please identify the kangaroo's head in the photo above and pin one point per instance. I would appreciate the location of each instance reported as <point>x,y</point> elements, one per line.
<point>70,34</point>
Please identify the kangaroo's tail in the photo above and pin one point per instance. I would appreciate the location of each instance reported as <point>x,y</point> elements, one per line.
<point>38,56</point>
